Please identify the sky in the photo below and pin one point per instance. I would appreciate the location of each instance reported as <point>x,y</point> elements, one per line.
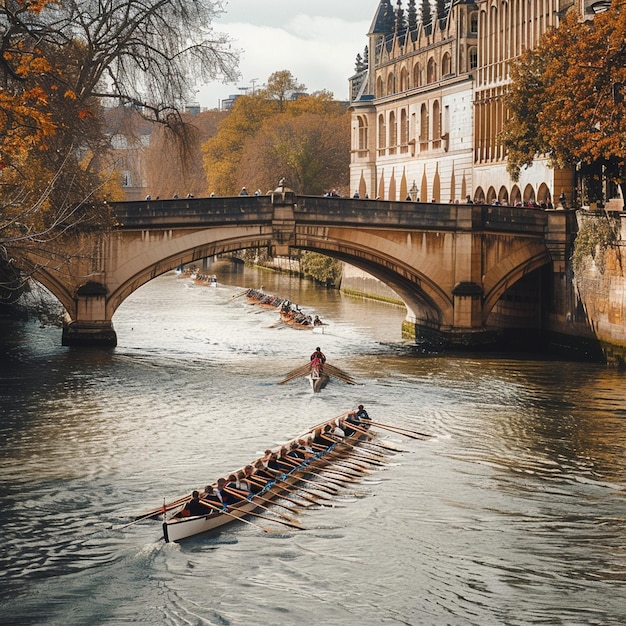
<point>316,40</point>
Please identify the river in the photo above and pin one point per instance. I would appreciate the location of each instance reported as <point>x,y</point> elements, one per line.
<point>513,512</point>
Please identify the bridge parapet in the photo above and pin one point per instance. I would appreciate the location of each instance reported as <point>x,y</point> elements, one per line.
<point>428,216</point>
<point>193,212</point>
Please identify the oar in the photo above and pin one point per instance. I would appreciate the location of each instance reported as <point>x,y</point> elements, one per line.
<point>243,293</point>
<point>303,370</point>
<point>316,484</point>
<point>261,506</point>
<point>260,497</point>
<point>338,373</point>
<point>168,507</point>
<point>402,431</point>
<point>271,519</point>
<point>328,478</point>
<point>225,512</point>
<point>281,495</point>
<point>355,450</point>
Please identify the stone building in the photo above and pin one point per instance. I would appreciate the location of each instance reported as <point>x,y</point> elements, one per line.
<point>427,104</point>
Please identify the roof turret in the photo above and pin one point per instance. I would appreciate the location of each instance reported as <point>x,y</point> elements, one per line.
<point>384,19</point>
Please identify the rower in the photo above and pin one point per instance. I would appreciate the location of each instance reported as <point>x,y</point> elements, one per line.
<point>363,417</point>
<point>211,495</point>
<point>318,354</point>
<point>254,486</point>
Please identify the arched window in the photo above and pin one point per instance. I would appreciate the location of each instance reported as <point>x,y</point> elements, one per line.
<point>382,134</point>
<point>404,79</point>
<point>391,84</point>
<point>417,75</point>
<point>436,124</point>
<point>380,92</point>
<point>393,133</point>
<point>431,71</point>
<point>462,61</point>
<point>362,138</point>
<point>404,131</point>
<point>446,66</point>
<point>474,22</point>
<point>423,128</point>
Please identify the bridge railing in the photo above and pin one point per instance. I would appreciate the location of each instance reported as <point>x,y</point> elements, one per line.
<point>193,212</point>
<point>201,212</point>
<point>429,216</point>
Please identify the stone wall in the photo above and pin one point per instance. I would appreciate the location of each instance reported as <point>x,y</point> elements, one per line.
<point>357,282</point>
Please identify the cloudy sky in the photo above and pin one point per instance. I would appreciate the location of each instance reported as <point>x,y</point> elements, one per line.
<point>316,40</point>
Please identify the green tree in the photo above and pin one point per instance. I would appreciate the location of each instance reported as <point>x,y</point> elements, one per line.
<point>322,268</point>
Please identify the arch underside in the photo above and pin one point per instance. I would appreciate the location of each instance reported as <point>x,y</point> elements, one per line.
<point>427,302</point>
<point>509,271</point>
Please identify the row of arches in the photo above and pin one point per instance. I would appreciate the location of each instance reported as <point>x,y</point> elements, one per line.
<point>515,197</point>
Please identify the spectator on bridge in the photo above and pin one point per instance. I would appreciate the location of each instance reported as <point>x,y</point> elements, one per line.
<point>244,192</point>
<point>356,195</point>
<point>175,196</point>
<point>257,192</point>
<point>468,200</point>
<point>148,197</point>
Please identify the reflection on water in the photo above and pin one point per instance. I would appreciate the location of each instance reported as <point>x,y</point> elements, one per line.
<point>512,513</point>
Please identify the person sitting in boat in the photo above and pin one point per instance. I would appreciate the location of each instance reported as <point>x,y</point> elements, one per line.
<point>319,355</point>
<point>254,485</point>
<point>261,473</point>
<point>352,420</point>
<point>317,321</point>
<point>338,431</point>
<point>363,417</point>
<point>195,507</point>
<point>227,498</point>
<point>305,447</point>
<point>236,489</point>
<point>211,496</point>
<point>295,452</point>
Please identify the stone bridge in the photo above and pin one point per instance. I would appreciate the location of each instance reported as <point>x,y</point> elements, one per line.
<point>454,266</point>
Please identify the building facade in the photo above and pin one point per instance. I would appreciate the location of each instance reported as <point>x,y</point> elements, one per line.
<point>427,105</point>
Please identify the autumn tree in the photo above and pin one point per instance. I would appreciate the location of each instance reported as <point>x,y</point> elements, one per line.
<point>565,100</point>
<point>307,143</point>
<point>279,85</point>
<point>172,168</point>
<point>59,61</point>
<point>309,150</point>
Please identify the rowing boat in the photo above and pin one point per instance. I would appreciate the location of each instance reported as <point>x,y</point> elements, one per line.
<point>176,528</point>
<point>318,374</point>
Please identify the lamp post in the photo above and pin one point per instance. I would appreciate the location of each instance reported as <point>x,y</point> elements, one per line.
<point>413,191</point>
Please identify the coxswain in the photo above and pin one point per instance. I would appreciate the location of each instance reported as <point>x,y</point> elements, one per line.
<point>317,321</point>
<point>195,507</point>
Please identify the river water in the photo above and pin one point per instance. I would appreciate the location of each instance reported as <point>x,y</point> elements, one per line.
<point>512,513</point>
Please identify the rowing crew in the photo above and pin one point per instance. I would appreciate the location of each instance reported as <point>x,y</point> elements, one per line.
<point>274,465</point>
